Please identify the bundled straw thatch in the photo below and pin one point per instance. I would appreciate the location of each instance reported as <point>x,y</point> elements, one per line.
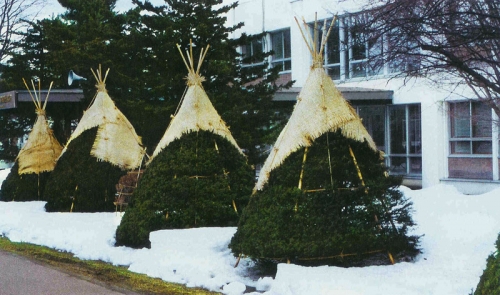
<point>320,108</point>
<point>196,112</point>
<point>116,141</point>
<point>42,149</point>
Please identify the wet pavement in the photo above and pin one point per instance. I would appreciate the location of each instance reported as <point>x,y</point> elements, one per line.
<point>19,275</point>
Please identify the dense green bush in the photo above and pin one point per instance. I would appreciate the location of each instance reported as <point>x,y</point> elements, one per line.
<point>82,178</point>
<point>330,216</point>
<point>189,184</point>
<point>25,187</point>
<point>489,283</point>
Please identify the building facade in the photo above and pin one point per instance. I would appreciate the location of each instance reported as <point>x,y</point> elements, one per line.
<point>429,134</point>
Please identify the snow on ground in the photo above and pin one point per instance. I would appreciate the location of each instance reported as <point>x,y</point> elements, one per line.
<point>459,233</point>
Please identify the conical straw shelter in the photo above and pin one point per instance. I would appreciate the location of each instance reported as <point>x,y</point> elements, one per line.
<point>197,176</point>
<point>322,196</point>
<point>42,149</point>
<point>196,112</point>
<point>320,108</point>
<point>116,141</point>
<point>38,155</point>
<point>102,148</point>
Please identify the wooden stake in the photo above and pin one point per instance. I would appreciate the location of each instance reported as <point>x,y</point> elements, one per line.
<point>237,261</point>
<point>302,169</point>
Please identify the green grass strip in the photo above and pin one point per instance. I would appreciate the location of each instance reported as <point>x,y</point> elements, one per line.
<point>115,276</point>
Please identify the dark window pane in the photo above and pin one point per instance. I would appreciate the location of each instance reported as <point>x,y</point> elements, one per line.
<point>482,147</point>
<point>333,46</point>
<point>358,69</point>
<point>246,50</point>
<point>358,39</point>
<point>334,72</point>
<point>416,165</point>
<point>398,129</point>
<point>287,45</point>
<point>481,120</point>
<point>460,120</point>
<point>277,45</point>
<point>460,147</point>
<point>373,118</point>
<point>288,65</point>
<point>257,47</point>
<point>398,165</point>
<point>415,132</point>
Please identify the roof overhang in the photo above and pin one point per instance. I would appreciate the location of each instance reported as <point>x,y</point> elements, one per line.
<point>11,99</point>
<point>349,93</point>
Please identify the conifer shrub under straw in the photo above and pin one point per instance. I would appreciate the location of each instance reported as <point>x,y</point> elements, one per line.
<point>191,183</point>
<point>331,220</point>
<point>82,180</point>
<point>24,187</point>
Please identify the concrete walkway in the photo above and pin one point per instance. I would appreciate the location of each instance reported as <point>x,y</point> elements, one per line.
<point>19,275</point>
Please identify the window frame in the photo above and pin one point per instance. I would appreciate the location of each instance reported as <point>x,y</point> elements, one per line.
<point>408,143</point>
<point>471,139</point>
<point>286,50</point>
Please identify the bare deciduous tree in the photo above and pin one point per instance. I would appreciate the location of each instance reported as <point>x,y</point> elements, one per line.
<point>12,16</point>
<point>458,38</point>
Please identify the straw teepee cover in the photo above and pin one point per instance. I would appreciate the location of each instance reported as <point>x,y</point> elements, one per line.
<point>42,149</point>
<point>196,112</point>
<point>320,108</point>
<point>116,141</point>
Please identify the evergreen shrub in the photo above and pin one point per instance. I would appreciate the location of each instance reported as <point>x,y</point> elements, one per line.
<point>489,283</point>
<point>83,179</point>
<point>189,184</point>
<point>332,219</point>
<point>25,187</point>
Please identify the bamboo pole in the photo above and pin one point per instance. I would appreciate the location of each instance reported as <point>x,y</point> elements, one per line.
<point>366,192</point>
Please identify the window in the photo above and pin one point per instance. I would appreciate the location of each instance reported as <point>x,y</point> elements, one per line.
<point>396,130</point>
<point>348,49</point>
<point>405,54</point>
<point>333,49</point>
<point>470,140</point>
<point>280,44</point>
<point>373,118</point>
<point>470,128</point>
<point>405,139</point>
<point>252,52</point>
<point>360,48</point>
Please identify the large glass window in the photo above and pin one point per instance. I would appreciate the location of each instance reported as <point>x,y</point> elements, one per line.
<point>280,44</point>
<point>405,139</point>
<point>470,140</point>
<point>373,118</point>
<point>470,128</point>
<point>396,130</point>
